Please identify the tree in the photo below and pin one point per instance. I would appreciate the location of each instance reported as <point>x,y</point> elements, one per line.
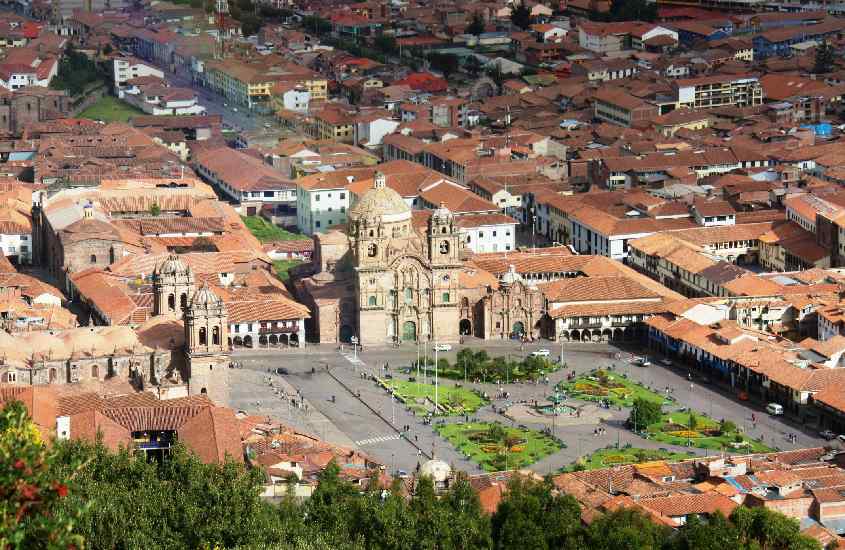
<point>727,427</point>
<point>476,25</point>
<point>76,72</point>
<point>386,43</point>
<point>30,488</point>
<point>469,526</point>
<point>521,16</point>
<point>250,24</point>
<point>532,516</point>
<point>628,10</point>
<point>446,63</point>
<point>155,209</point>
<point>644,413</point>
<point>625,529</point>
<point>693,420</point>
<point>764,528</point>
<point>825,58</point>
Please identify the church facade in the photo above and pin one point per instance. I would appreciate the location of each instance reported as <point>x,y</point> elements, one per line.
<point>390,279</point>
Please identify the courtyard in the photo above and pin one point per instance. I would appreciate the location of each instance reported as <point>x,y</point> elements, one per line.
<point>616,389</point>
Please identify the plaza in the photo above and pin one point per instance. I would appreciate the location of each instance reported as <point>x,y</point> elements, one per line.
<point>331,392</point>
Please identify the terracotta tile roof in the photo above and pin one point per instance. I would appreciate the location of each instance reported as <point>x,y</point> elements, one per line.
<point>213,435</point>
<point>581,289</point>
<point>682,505</point>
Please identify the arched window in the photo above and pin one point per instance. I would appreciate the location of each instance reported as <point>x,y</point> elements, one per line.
<point>53,375</point>
<point>93,258</point>
<point>203,336</point>
<point>372,250</point>
<point>95,371</point>
<point>372,233</point>
<point>371,301</point>
<point>444,247</point>
<point>183,300</point>
<point>171,302</point>
<point>443,230</point>
<point>445,297</point>
<point>215,336</point>
<point>409,295</point>
<point>464,302</point>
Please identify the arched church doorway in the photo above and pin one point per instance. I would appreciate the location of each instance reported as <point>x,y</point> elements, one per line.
<point>346,333</point>
<point>465,327</point>
<point>518,329</point>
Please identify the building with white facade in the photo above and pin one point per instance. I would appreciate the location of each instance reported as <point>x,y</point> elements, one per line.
<point>127,68</point>
<point>487,232</point>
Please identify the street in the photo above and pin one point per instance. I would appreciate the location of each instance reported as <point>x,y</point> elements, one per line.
<point>337,403</point>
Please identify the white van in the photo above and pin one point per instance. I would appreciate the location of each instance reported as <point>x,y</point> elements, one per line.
<point>774,409</point>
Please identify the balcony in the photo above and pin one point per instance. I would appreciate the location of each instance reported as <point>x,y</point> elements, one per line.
<point>278,330</point>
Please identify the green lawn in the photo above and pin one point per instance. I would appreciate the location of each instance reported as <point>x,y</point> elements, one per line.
<point>452,399</point>
<point>110,109</point>
<point>605,458</point>
<point>266,232</point>
<point>601,385</point>
<point>282,267</point>
<point>495,447</point>
<point>672,429</point>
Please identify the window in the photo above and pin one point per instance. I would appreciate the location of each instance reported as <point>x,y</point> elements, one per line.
<point>371,301</point>
<point>331,222</point>
<point>93,258</point>
<point>268,194</point>
<point>330,208</point>
<point>215,336</point>
<point>343,209</point>
<point>494,233</point>
<point>409,295</point>
<point>343,195</point>
<point>372,250</point>
<point>469,238</point>
<point>316,197</point>
<point>317,224</point>
<point>171,302</point>
<point>203,336</point>
<point>481,234</point>
<point>445,297</point>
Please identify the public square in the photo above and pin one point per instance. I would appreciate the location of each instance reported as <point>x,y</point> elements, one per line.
<point>325,393</point>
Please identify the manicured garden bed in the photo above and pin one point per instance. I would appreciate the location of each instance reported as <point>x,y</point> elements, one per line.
<point>704,433</point>
<point>605,458</point>
<point>495,447</point>
<point>476,365</point>
<point>452,400</point>
<point>602,385</point>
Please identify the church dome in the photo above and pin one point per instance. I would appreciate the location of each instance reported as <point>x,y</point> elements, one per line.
<point>173,265</point>
<point>437,470</point>
<point>205,297</point>
<point>380,202</point>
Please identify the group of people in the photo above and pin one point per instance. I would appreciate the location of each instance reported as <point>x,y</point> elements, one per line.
<point>601,430</point>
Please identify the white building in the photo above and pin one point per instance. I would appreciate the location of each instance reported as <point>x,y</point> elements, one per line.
<point>14,76</point>
<point>487,232</point>
<point>321,202</point>
<point>16,242</point>
<point>127,68</point>
<point>162,100</point>
<point>369,131</point>
<point>296,98</point>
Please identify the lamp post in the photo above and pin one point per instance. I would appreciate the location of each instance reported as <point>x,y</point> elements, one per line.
<point>354,341</point>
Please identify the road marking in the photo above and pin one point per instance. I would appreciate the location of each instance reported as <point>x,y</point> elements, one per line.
<point>352,359</point>
<point>379,439</point>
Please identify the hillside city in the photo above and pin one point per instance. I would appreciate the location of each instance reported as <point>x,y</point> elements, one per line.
<point>407,274</point>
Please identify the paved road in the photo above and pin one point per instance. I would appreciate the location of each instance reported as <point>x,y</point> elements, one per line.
<point>371,421</point>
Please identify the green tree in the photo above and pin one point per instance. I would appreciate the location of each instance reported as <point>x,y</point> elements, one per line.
<point>825,58</point>
<point>250,24</point>
<point>693,420</point>
<point>386,43</point>
<point>764,528</point>
<point>727,427</point>
<point>532,516</point>
<point>30,488</point>
<point>469,526</point>
<point>625,529</point>
<point>476,25</point>
<point>76,72</point>
<point>628,10</point>
<point>717,533</point>
<point>644,413</point>
<point>521,16</point>
<point>155,209</point>
<point>446,63</point>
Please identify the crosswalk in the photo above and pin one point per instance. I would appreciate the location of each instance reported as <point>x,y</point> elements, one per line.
<point>353,359</point>
<point>379,439</point>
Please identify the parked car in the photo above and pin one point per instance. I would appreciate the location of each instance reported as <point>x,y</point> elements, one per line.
<point>442,347</point>
<point>282,370</point>
<point>641,361</point>
<point>666,362</point>
<point>774,409</point>
<point>827,434</point>
<point>841,438</point>
<point>541,353</point>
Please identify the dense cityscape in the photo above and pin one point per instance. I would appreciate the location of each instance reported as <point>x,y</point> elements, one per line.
<point>297,274</point>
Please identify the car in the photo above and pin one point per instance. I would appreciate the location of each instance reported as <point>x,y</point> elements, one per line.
<point>666,362</point>
<point>641,361</point>
<point>282,370</point>
<point>541,353</point>
<point>442,347</point>
<point>234,109</point>
<point>774,409</point>
<point>827,434</point>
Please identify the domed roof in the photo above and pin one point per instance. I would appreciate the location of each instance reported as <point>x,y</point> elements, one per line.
<point>122,338</point>
<point>86,341</point>
<point>172,265</point>
<point>511,276</point>
<point>205,297</point>
<point>437,470</point>
<point>380,202</point>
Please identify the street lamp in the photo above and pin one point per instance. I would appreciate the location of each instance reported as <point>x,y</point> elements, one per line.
<point>354,341</point>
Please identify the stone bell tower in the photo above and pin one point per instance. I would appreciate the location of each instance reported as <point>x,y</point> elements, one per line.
<point>444,253</point>
<point>207,345</point>
<point>173,286</point>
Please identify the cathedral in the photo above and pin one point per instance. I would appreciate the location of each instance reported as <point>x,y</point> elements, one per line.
<point>394,277</point>
<point>181,350</point>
